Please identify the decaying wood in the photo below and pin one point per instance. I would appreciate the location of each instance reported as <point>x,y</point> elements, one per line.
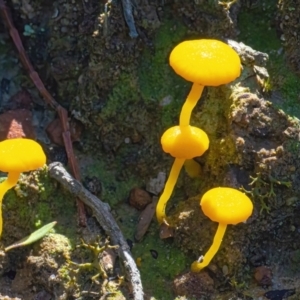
<point>105,219</point>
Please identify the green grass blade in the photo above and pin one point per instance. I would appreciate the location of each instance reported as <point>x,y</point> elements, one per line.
<point>33,237</point>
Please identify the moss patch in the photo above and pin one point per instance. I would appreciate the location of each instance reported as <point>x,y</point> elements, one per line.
<point>34,202</point>
<point>158,260</point>
<point>114,191</point>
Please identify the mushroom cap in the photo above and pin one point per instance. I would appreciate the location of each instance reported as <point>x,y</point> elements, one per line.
<point>226,205</point>
<point>206,62</point>
<point>187,142</point>
<point>21,155</point>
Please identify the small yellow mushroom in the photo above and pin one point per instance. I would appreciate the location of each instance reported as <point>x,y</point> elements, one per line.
<point>181,144</point>
<point>17,156</point>
<point>225,206</point>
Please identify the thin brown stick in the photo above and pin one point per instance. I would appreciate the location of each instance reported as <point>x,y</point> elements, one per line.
<point>106,220</point>
<point>62,112</point>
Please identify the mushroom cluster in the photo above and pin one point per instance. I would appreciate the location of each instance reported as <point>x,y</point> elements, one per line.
<point>17,156</point>
<point>212,63</point>
<point>203,62</point>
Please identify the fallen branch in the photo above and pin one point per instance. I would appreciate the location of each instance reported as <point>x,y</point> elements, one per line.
<point>105,219</point>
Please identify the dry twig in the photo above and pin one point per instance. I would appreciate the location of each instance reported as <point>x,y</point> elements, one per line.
<point>106,220</point>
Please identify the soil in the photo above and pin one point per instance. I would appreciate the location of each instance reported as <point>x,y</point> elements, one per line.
<point>121,94</point>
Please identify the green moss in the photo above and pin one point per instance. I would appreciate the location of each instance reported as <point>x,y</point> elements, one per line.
<point>157,273</point>
<point>153,81</point>
<point>114,191</point>
<point>155,75</point>
<point>211,115</point>
<point>256,27</point>
<point>157,80</point>
<point>40,203</point>
<point>122,96</point>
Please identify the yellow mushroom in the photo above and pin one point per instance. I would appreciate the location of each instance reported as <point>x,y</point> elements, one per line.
<point>185,143</point>
<point>225,206</point>
<point>192,168</point>
<point>182,144</point>
<point>203,62</point>
<point>17,156</point>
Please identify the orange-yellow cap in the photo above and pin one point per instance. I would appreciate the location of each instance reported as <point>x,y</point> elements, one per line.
<point>226,205</point>
<point>206,62</point>
<point>21,155</point>
<point>187,142</point>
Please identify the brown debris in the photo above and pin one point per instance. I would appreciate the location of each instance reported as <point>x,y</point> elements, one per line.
<point>165,231</point>
<point>16,124</point>
<point>263,275</point>
<point>145,219</point>
<point>139,198</point>
<point>55,130</point>
<point>196,285</point>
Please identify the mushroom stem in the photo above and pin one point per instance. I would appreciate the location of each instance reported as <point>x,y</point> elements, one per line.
<point>198,266</point>
<point>8,183</point>
<point>162,202</point>
<point>189,104</point>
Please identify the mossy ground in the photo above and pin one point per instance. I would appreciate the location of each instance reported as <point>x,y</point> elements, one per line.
<point>35,201</point>
<point>150,96</point>
<point>146,87</point>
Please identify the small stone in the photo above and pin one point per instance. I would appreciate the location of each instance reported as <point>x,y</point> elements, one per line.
<point>156,185</point>
<point>16,124</point>
<point>127,140</point>
<point>194,285</point>
<point>139,198</point>
<point>263,275</point>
